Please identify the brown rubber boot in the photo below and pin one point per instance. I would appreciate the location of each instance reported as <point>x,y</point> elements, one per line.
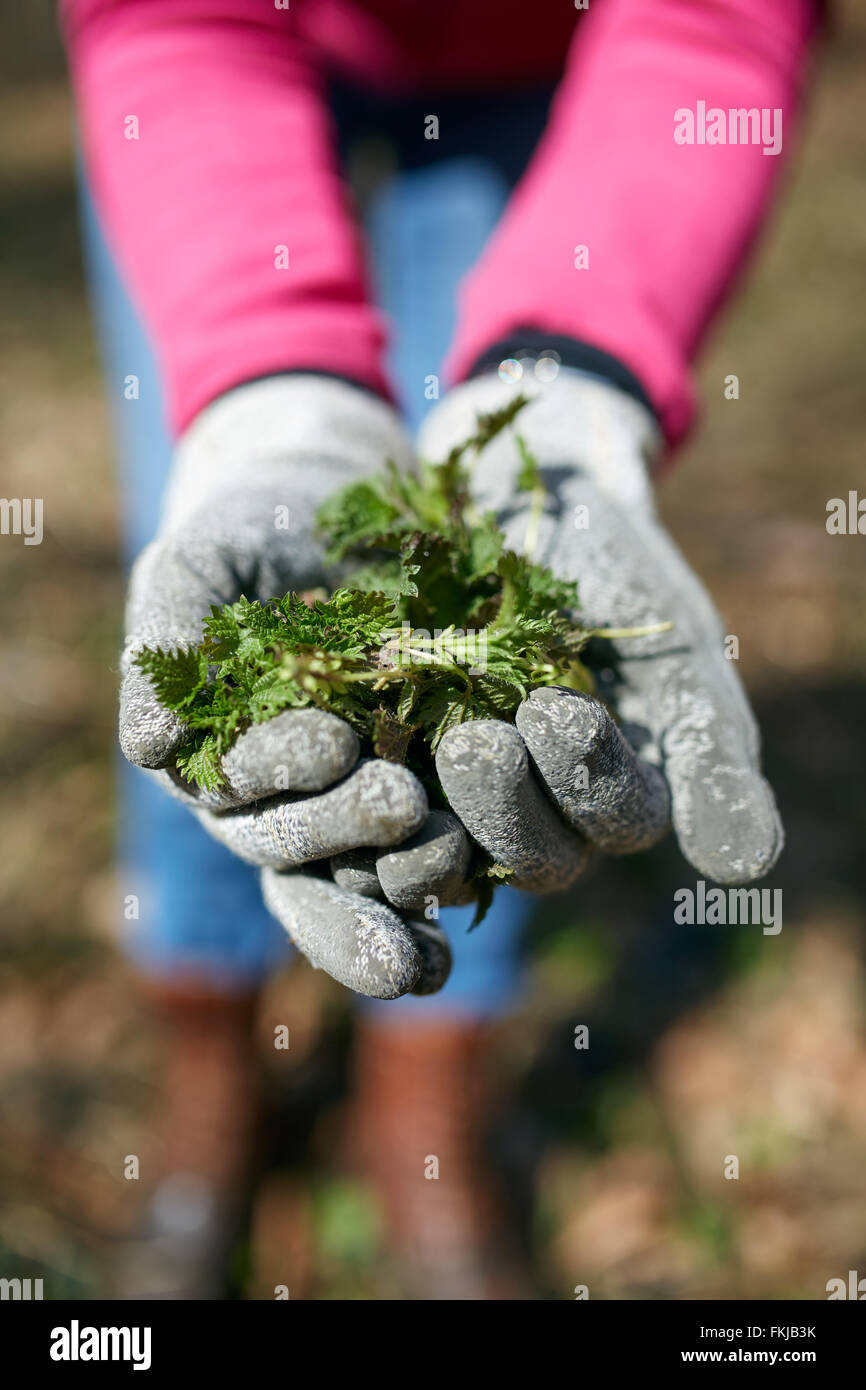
<point>205,1144</point>
<point>419,1122</point>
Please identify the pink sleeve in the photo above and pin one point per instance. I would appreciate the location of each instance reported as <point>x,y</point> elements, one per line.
<point>209,149</point>
<point>666,225</point>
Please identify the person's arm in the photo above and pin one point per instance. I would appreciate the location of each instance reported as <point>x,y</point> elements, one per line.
<point>208,145</point>
<point>233,160</point>
<point>666,225</point>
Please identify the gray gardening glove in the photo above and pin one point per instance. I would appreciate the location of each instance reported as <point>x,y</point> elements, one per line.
<point>238,518</point>
<point>687,746</point>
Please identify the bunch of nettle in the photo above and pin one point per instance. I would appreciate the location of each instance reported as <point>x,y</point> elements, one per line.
<point>381,651</point>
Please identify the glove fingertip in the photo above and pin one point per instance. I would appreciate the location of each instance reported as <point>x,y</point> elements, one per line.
<point>735,843</point>
<point>151,739</point>
<point>359,942</point>
<point>304,750</point>
<point>435,953</point>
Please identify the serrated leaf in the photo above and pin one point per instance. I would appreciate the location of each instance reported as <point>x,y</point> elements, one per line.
<point>442,707</point>
<point>221,633</point>
<point>406,701</point>
<point>353,516</point>
<point>200,762</point>
<point>176,675</point>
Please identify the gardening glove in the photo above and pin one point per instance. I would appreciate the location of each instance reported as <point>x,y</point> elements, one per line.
<point>239,518</point>
<point>568,778</point>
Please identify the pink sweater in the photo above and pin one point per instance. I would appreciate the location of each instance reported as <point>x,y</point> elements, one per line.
<point>209,144</point>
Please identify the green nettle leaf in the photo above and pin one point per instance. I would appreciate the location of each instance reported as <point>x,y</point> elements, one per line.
<point>199,762</point>
<point>176,676</point>
<point>386,650</point>
<point>484,887</point>
<point>355,515</point>
<point>484,550</point>
<point>444,705</point>
<point>529,476</point>
<point>221,633</point>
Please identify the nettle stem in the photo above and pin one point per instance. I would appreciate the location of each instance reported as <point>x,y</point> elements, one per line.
<point>615,632</point>
<point>445,649</point>
<point>533,523</point>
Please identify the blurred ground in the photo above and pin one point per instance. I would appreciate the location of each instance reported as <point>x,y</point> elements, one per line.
<point>705,1041</point>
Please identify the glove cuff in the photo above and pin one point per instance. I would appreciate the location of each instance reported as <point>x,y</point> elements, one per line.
<point>296,422</point>
<point>530,353</point>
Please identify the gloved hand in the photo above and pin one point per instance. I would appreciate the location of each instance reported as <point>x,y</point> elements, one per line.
<point>687,746</point>
<point>238,518</point>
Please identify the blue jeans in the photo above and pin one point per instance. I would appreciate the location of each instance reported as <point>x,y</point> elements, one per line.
<point>195,909</point>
